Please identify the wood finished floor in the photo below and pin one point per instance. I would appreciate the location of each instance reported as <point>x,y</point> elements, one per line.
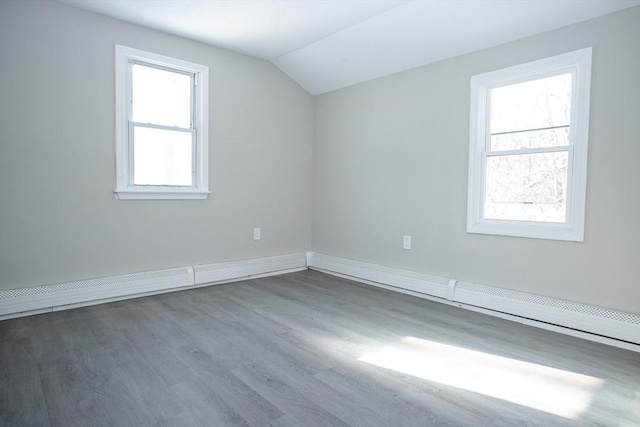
<point>284,351</point>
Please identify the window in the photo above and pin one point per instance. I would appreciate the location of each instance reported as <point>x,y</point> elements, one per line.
<point>528,149</point>
<point>161,127</point>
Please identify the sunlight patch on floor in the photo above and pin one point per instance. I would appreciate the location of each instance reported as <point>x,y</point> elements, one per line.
<point>555,391</point>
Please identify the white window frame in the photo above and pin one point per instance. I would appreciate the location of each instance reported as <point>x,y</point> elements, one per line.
<point>125,189</point>
<point>579,64</point>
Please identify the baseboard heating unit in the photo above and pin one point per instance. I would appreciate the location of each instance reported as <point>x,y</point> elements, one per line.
<point>62,296</point>
<point>594,323</point>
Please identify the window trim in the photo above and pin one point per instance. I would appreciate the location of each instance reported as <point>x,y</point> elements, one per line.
<point>579,63</point>
<point>125,189</point>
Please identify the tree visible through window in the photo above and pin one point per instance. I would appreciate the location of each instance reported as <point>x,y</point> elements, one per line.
<point>527,161</point>
<point>528,148</point>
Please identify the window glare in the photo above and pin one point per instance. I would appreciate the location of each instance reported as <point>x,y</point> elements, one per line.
<point>534,104</point>
<point>162,157</point>
<point>160,97</point>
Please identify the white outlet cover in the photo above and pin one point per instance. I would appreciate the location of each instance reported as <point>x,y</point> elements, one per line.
<point>406,242</point>
<point>256,234</point>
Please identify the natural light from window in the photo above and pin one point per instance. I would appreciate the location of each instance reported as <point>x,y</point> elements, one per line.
<point>162,157</point>
<point>162,127</point>
<point>555,391</point>
<point>524,181</point>
<point>161,112</point>
<point>160,97</point>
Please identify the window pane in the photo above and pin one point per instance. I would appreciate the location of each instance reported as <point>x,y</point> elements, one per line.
<point>162,157</point>
<point>160,97</point>
<point>534,104</point>
<point>531,139</point>
<point>527,187</point>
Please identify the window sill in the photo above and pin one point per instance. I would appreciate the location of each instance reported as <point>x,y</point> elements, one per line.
<point>161,194</point>
<point>527,229</point>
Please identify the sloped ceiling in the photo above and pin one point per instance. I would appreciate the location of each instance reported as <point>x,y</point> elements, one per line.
<point>329,44</point>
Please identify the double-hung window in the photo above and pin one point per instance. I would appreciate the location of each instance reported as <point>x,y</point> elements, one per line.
<point>161,126</point>
<point>528,149</point>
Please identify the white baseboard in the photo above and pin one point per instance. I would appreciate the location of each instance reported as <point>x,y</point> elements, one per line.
<point>588,322</point>
<point>593,323</point>
<point>49,296</point>
<point>63,296</point>
<point>581,317</point>
<point>409,280</point>
<point>247,268</point>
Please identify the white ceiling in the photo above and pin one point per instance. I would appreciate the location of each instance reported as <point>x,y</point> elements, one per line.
<point>328,44</point>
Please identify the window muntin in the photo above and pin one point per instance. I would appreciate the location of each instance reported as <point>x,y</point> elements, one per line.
<point>531,138</point>
<point>528,149</point>
<point>161,125</point>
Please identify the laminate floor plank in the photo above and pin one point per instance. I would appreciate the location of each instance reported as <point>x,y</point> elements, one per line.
<point>84,388</point>
<point>140,383</point>
<point>416,400</point>
<point>322,324</point>
<point>482,333</point>
<point>438,403</point>
<point>22,399</point>
<point>254,409</point>
<point>207,407</point>
<point>158,345</point>
<point>405,316</point>
<point>302,350</point>
<point>344,404</point>
<point>389,326</point>
<point>289,400</point>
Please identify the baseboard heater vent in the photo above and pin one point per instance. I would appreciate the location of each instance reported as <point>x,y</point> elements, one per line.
<point>580,317</point>
<point>40,299</point>
<point>48,296</point>
<point>596,320</point>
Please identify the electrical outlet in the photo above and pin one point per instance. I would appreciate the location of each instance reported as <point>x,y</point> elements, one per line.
<point>256,234</point>
<point>406,242</point>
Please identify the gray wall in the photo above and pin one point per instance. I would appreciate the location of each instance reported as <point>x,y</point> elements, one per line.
<point>59,220</point>
<point>391,158</point>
